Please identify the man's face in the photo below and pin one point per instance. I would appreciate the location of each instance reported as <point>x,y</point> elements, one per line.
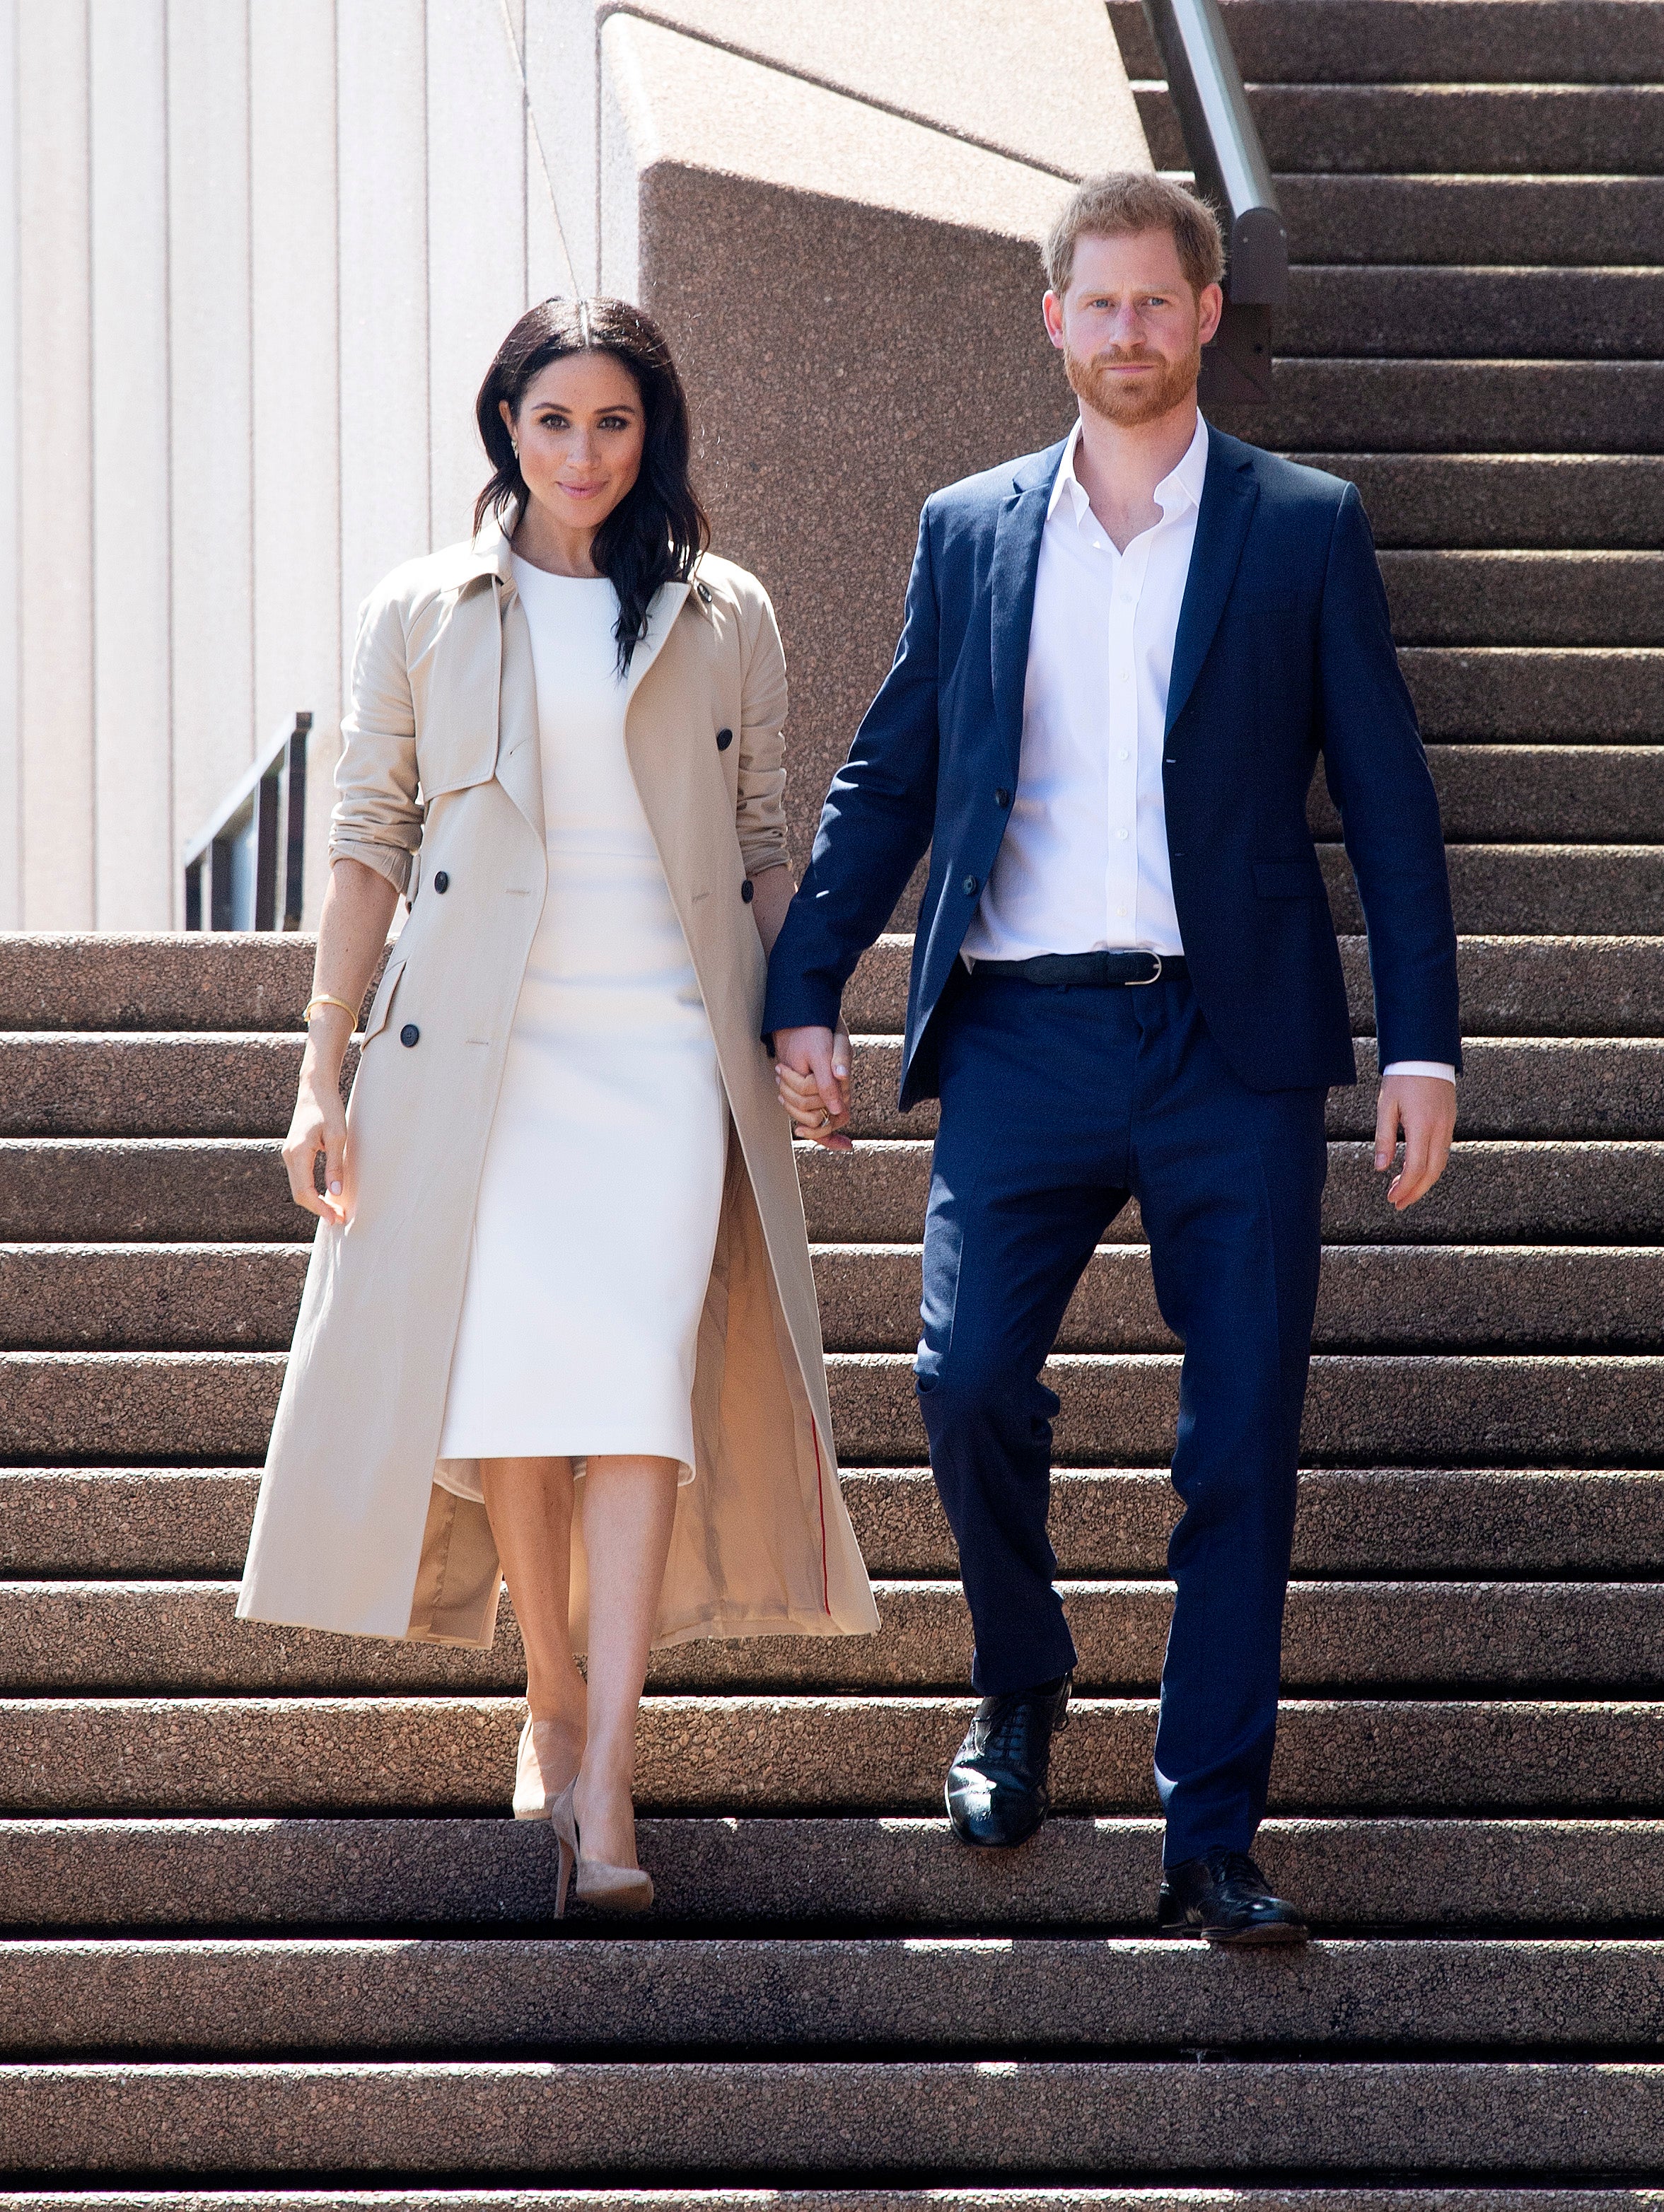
<point>1129,327</point>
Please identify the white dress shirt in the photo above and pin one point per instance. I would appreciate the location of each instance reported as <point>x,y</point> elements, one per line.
<point>1084,865</point>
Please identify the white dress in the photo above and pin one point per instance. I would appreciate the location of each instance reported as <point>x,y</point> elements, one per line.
<point>598,1204</point>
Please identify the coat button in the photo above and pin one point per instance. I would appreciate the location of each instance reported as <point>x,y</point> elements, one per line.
<point>408,1034</point>
<point>1002,799</point>
<point>441,881</point>
<point>724,739</point>
<point>971,886</point>
<point>748,891</point>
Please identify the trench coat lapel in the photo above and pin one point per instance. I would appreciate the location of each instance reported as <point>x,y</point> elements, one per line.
<point>520,744</point>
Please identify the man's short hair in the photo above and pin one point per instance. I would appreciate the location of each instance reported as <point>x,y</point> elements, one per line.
<point>1125,201</point>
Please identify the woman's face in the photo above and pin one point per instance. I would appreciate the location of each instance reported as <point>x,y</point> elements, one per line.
<point>581,431</point>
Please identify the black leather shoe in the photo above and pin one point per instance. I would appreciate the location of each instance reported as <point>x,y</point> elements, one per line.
<point>996,1788</point>
<point>1222,1897</point>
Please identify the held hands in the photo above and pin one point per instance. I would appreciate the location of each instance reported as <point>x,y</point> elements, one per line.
<point>811,1074</point>
<point>1424,1108</point>
<point>319,1124</point>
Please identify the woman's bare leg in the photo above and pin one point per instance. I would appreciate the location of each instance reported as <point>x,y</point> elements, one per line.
<point>629,1507</point>
<point>529,1504</point>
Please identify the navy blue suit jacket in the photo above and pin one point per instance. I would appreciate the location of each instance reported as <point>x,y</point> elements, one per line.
<point>1284,651</point>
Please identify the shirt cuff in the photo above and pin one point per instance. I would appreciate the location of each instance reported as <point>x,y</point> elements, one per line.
<point>1440,1067</point>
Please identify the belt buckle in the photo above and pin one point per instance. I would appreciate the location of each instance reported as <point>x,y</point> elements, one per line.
<point>1142,982</point>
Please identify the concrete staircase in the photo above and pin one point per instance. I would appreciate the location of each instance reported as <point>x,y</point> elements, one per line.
<point>267,1929</point>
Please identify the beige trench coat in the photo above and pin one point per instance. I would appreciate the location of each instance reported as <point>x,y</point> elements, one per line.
<point>441,768</point>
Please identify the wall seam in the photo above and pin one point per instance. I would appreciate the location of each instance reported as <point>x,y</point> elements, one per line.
<point>94,839</point>
<point>253,428</point>
<point>174,872</point>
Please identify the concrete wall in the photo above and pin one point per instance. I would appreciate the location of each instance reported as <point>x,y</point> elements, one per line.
<point>255,255</point>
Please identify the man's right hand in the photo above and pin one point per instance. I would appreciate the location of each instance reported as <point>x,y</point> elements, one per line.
<point>811,1074</point>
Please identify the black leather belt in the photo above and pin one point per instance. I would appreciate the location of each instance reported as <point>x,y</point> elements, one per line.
<point>1100,971</point>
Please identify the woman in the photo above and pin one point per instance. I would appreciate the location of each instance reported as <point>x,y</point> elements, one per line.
<point>560,1325</point>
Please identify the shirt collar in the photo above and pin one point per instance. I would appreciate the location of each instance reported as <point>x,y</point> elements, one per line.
<point>1181,487</point>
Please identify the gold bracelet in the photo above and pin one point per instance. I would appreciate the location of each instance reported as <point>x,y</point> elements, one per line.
<point>326,998</point>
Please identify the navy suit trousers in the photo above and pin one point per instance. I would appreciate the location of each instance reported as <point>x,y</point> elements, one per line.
<point>1057,1106</point>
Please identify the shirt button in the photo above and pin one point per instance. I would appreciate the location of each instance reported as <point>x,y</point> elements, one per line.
<point>409,1034</point>
<point>441,881</point>
<point>1121,755</point>
<point>1121,834</point>
<point>972,886</point>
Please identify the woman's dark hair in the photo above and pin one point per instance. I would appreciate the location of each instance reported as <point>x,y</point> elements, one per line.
<point>659,529</point>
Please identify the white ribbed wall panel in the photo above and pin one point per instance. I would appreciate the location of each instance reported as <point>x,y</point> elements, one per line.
<point>255,256</point>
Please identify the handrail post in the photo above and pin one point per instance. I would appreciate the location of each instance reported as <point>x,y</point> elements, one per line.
<point>253,847</point>
<point>1229,166</point>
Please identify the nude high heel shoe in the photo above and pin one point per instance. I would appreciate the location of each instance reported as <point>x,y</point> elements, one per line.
<point>533,1794</point>
<point>564,1822</point>
<point>607,1889</point>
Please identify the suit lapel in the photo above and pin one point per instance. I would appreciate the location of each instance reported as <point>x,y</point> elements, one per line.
<point>1228,496</point>
<point>1018,531</point>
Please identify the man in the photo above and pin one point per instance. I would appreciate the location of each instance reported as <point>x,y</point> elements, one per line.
<point>1121,660</point>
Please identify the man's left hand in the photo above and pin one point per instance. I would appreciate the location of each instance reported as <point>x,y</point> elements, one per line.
<point>1424,1108</point>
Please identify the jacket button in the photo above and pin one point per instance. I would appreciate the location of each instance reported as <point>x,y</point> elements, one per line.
<point>972,886</point>
<point>748,891</point>
<point>724,739</point>
<point>408,1034</point>
<point>1002,799</point>
<point>441,881</point>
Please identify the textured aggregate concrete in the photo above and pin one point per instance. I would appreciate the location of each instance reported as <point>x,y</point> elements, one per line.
<point>280,1996</point>
<point>1512,1086</point>
<point>1505,500</point>
<point>1464,221</point>
<point>150,1297</point>
<point>1430,1298</point>
<point>1461,406</point>
<point>157,979</point>
<point>1582,315</point>
<point>1380,128</point>
<point>1355,42</point>
<point>1602,598</point>
<point>728,1755</point>
<point>1589,694</point>
<point>756,1873</point>
<point>133,1638</point>
<point>1597,1409</point>
<point>1118,1408</point>
<point>677,2119</point>
<point>1498,1192</point>
<point>150,1188</point>
<point>1507,890</point>
<point>189,1522</point>
<point>841,2200</point>
<point>218,1086</point>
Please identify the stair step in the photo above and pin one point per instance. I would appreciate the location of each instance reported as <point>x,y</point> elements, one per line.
<point>758,1873</point>
<point>231,1189</point>
<point>1538,129</point>
<point>1492,794</point>
<point>1435,406</point>
<point>1506,890</point>
<point>185,1522</point>
<point>227,1996</point>
<point>1510,1087</point>
<point>1353,42</point>
<point>1468,220</point>
<point>159,1297</point>
<point>1594,500</point>
<point>1482,312</point>
<point>58,1638</point>
<point>1492,1193</point>
<point>176,1521</point>
<point>1525,599</point>
<point>731,1755</point>
<point>1587,694</point>
<point>1403,1298</point>
<point>1591,1409</point>
<point>910,2120</point>
<point>155,980</point>
<point>207,1408</point>
<point>1584,986</point>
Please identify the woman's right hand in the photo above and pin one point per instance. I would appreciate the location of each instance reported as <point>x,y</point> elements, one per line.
<point>319,1125</point>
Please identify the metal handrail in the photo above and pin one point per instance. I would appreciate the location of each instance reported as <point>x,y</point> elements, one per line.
<point>1229,166</point>
<point>232,865</point>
